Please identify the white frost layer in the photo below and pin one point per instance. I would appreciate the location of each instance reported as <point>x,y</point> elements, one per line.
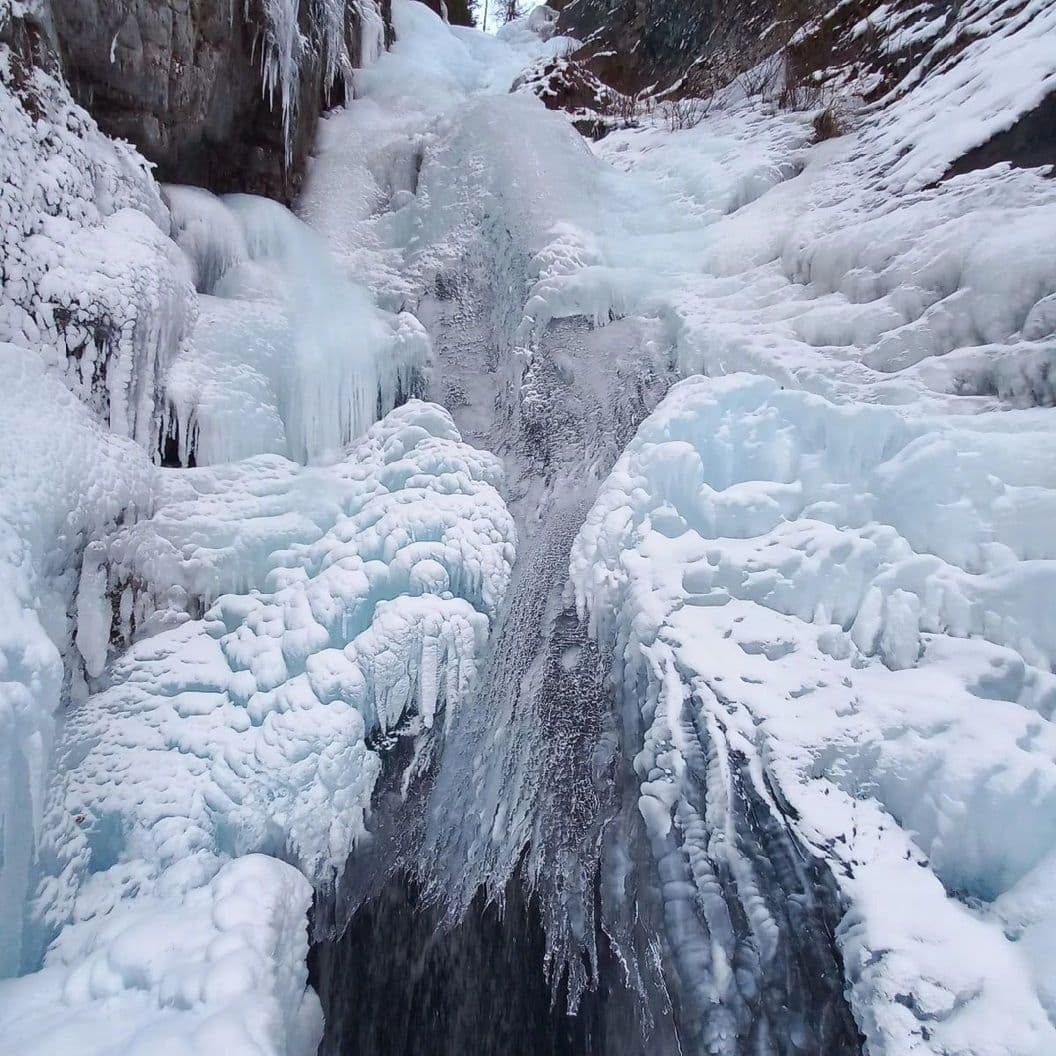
<point>751,249</point>
<point>63,480</point>
<point>860,602</point>
<point>90,278</point>
<point>246,730</point>
<point>288,356</point>
<point>249,731</point>
<point>218,969</point>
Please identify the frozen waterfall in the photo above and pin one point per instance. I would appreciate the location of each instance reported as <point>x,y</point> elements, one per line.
<point>288,355</point>
<point>540,596</point>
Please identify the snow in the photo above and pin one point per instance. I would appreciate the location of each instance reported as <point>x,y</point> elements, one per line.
<point>150,929</point>
<point>952,99</point>
<point>96,297</point>
<point>797,575</point>
<point>821,569</point>
<point>838,566</point>
<point>251,729</point>
<point>221,968</point>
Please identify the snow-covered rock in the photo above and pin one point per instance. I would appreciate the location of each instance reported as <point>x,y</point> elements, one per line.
<point>857,604</point>
<point>90,278</point>
<point>96,296</point>
<point>823,569</point>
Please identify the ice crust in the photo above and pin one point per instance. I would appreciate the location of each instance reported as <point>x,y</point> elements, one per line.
<point>154,926</point>
<point>839,567</point>
<point>253,729</point>
<point>90,279</point>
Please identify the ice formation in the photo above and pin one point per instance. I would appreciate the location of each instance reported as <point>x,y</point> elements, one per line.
<point>288,356</point>
<point>402,545</point>
<point>285,48</point>
<point>855,604</point>
<point>217,968</point>
<point>870,504</point>
<point>95,301</point>
<point>61,485</point>
<point>765,717</point>
<point>253,729</point>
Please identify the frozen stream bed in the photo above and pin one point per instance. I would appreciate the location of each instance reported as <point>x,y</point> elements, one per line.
<point>688,657</point>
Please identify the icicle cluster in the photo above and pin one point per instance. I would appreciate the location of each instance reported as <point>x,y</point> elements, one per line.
<point>286,48</point>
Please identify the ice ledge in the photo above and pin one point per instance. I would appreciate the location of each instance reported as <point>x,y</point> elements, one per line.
<point>252,730</point>
<point>220,969</point>
<point>853,601</point>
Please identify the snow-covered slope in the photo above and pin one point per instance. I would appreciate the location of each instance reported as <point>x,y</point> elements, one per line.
<point>826,583</point>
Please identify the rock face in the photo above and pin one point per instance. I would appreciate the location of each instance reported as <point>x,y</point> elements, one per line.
<point>220,93</point>
<point>634,44</point>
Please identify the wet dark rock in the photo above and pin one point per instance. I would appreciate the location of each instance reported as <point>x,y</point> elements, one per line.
<point>1029,143</point>
<point>457,12</point>
<point>182,80</point>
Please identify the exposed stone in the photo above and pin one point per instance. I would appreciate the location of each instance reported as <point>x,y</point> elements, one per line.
<point>182,80</point>
<point>565,84</point>
<point>457,12</point>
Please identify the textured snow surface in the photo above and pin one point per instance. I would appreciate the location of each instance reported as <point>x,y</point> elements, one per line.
<point>854,601</point>
<point>840,566</point>
<point>95,298</point>
<point>251,729</point>
<point>282,619</point>
<point>982,70</point>
<point>856,537</point>
<point>65,479</point>
<point>90,278</point>
<point>220,968</point>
